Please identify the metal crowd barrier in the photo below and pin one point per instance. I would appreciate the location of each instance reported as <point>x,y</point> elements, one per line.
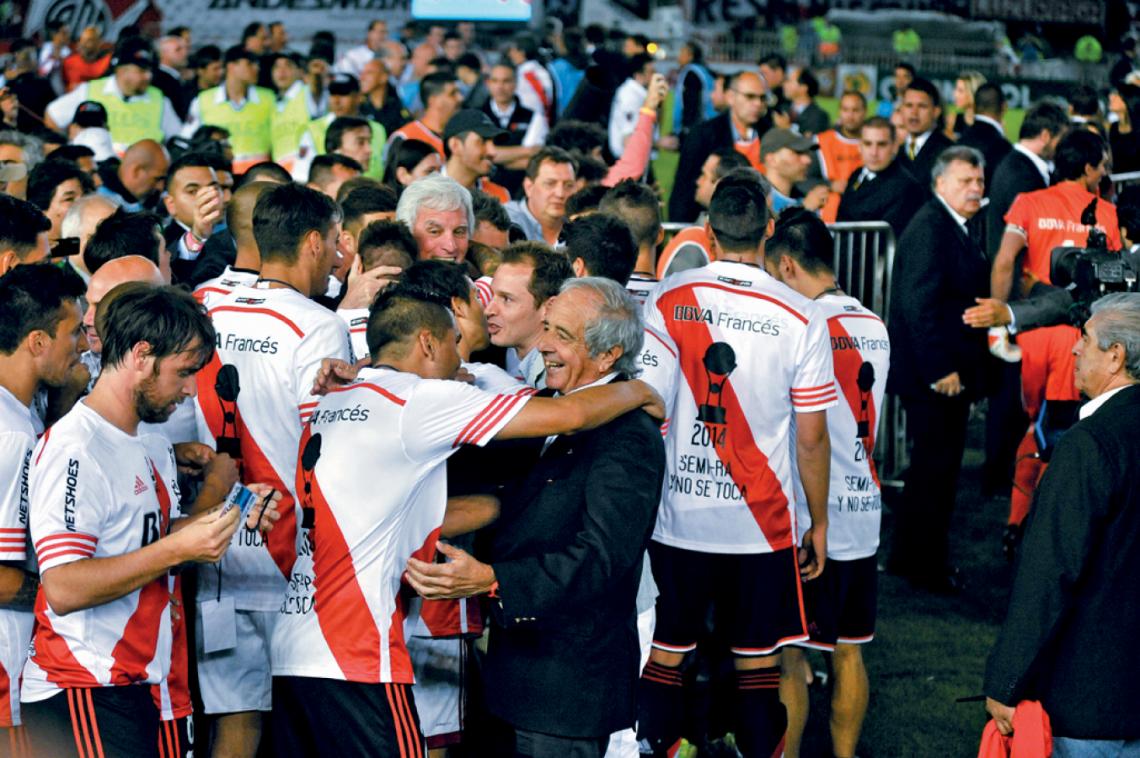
<point>1120,181</point>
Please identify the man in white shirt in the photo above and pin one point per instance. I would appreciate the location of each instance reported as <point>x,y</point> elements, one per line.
<point>352,62</point>
<point>627,102</point>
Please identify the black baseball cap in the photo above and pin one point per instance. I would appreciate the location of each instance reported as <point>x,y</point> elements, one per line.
<point>133,51</point>
<point>239,53</point>
<point>471,120</point>
<point>90,114</point>
<point>344,84</point>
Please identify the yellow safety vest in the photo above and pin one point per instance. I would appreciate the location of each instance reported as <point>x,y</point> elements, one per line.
<point>290,119</point>
<point>319,127</point>
<point>129,122</point>
<point>251,135</point>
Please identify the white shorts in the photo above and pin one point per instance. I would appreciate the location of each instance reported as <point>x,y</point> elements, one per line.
<point>623,744</point>
<point>437,691</point>
<point>239,679</point>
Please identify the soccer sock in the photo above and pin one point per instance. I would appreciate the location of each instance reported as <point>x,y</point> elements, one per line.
<point>660,708</point>
<point>761,717</point>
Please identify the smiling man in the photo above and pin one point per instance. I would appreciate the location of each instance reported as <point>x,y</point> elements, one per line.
<point>438,211</point>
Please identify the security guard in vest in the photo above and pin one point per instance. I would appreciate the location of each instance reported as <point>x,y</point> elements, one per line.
<point>344,100</point>
<point>135,110</point>
<point>293,110</point>
<point>240,107</point>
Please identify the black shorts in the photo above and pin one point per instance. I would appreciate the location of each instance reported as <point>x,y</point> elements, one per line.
<point>841,602</point>
<point>756,599</point>
<point>329,717</point>
<point>95,721</point>
<point>174,739</point>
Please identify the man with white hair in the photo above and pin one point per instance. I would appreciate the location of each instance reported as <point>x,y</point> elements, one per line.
<point>566,560</point>
<point>79,223</point>
<point>438,211</point>
<point>19,154</point>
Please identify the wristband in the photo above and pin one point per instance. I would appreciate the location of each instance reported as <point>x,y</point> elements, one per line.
<point>193,244</point>
<point>649,112</point>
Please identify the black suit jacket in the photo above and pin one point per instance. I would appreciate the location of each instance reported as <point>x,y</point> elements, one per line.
<point>562,657</point>
<point>1014,175</point>
<point>701,141</point>
<point>937,274</point>
<point>1069,639</point>
<point>813,119</point>
<point>991,143</point>
<point>892,196</point>
<point>923,163</point>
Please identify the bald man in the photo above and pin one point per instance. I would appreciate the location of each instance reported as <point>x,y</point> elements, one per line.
<point>244,270</point>
<point>79,223</point>
<point>129,268</point>
<point>137,182</point>
<point>739,127</point>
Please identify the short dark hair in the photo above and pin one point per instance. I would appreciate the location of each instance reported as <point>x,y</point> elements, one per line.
<point>909,68</point>
<point>70,153</point>
<point>738,213</point>
<point>191,159</point>
<point>879,122</point>
<point>122,234</point>
<point>1084,100</point>
<point>438,281</point>
<point>387,235</point>
<point>526,44</point>
<point>168,319</point>
<point>1044,116</point>
<point>549,154</point>
<point>251,29</point>
<point>773,60</point>
<point>802,235</point>
<point>1077,149</point>
<point>638,62</point>
<point>586,199</point>
<point>434,84</point>
<point>405,154</point>
<point>397,315</point>
<point>854,93</point>
<point>339,126</point>
<point>580,136</point>
<point>47,176</point>
<point>205,55</point>
<point>926,86</point>
<point>321,169</point>
<point>367,197</point>
<point>604,243</point>
<point>551,268</point>
<point>490,210</point>
<point>695,50</point>
<point>285,214</point>
<point>31,299</point>
<point>989,99</point>
<point>21,223</point>
<point>265,171</point>
<point>590,169</point>
<point>809,80</point>
<point>471,61</point>
<point>730,160</point>
<point>637,205</point>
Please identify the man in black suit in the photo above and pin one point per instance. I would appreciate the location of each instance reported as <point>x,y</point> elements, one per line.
<point>801,89</point>
<point>986,134</point>
<point>1069,639</point>
<point>922,116</point>
<point>562,659</point>
<point>882,190</point>
<point>1026,168</point>
<point>741,126</point>
<point>938,365</point>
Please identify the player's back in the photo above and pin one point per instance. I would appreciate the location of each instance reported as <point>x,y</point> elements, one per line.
<point>751,352</point>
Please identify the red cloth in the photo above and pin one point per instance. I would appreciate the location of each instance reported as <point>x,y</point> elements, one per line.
<point>1032,735</point>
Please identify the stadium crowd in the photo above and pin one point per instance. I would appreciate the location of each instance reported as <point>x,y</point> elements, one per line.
<point>517,469</point>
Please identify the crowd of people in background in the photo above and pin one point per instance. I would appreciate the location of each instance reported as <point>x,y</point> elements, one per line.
<point>521,465</point>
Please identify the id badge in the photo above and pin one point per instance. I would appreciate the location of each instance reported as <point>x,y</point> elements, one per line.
<point>219,625</point>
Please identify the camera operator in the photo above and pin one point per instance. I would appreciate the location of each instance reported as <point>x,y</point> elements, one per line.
<point>1074,588</point>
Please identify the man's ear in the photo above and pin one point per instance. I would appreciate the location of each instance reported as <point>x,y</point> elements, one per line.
<point>460,307</point>
<point>607,359</point>
<point>8,261</point>
<point>579,267</point>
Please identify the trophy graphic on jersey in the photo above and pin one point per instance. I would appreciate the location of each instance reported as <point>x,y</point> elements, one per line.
<point>719,362</point>
<point>309,457</point>
<point>227,387</point>
<point>864,381</point>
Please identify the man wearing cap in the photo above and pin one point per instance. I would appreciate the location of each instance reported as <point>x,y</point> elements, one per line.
<point>135,109</point>
<point>468,144</point>
<point>344,102</point>
<point>239,106</point>
<point>786,156</point>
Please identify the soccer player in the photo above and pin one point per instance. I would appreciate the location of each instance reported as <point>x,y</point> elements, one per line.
<point>840,605</point>
<point>40,342</point>
<point>754,364</point>
<point>342,676</point>
<point>254,398</point>
<point>105,522</point>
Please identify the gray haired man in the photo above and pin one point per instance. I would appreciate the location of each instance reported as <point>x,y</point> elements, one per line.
<point>439,213</point>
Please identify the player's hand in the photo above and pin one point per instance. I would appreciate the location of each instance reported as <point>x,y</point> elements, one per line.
<point>812,553</point>
<point>363,286</point>
<point>988,312</point>
<point>654,404</point>
<point>1002,715</point>
<point>263,514</point>
<point>461,576</point>
<point>333,373</point>
<point>816,197</point>
<point>221,472</point>
<point>208,210</point>
<point>656,92</point>
<point>205,538</point>
<point>465,376</point>
<point>192,457</point>
<point>949,385</point>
